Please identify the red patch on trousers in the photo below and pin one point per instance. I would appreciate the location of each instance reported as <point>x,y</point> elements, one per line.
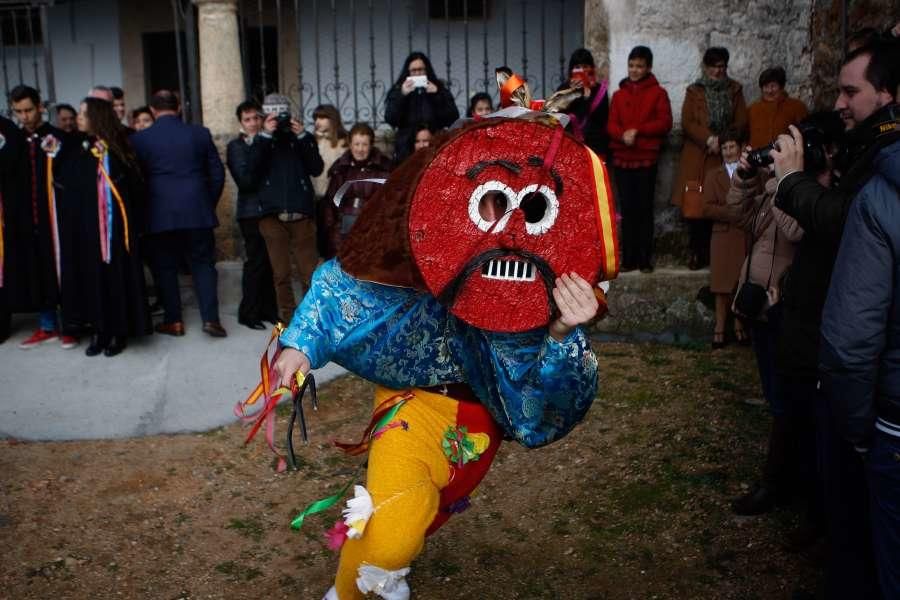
<point>454,498</point>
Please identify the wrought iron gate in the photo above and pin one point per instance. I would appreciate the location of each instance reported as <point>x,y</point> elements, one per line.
<point>348,51</point>
<point>25,47</point>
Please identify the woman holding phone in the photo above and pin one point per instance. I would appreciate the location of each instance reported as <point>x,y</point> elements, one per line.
<point>417,97</point>
<point>590,112</point>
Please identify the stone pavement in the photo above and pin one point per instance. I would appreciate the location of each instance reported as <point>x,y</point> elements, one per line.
<point>160,384</point>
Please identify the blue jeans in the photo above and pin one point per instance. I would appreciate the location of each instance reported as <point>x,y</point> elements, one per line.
<point>850,565</point>
<point>49,321</point>
<point>883,472</point>
<point>764,336</point>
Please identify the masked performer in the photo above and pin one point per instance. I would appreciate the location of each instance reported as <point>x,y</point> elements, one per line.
<point>459,291</point>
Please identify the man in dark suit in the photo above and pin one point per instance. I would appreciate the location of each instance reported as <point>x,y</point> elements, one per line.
<point>185,177</point>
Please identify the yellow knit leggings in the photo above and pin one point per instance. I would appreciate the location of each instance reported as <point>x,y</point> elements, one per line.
<point>406,473</point>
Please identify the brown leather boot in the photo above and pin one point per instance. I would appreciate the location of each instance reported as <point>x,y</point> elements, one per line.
<point>175,329</point>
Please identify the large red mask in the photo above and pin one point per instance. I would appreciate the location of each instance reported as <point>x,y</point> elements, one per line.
<point>502,209</point>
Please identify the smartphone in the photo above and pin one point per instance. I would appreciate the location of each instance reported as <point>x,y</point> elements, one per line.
<point>586,76</point>
<point>419,81</point>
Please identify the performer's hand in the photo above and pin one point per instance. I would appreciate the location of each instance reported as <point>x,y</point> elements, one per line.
<point>289,362</point>
<point>788,153</point>
<point>629,136</point>
<point>577,304</point>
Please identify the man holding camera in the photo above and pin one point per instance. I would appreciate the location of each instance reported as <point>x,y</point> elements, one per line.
<point>289,156</point>
<point>860,350</point>
<point>868,87</point>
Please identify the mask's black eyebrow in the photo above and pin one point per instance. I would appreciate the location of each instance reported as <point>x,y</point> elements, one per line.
<point>536,161</point>
<point>506,164</point>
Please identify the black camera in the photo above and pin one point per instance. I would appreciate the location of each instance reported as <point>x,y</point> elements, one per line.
<point>284,121</point>
<point>814,159</point>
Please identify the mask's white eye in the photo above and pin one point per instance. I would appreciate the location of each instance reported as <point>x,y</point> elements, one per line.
<point>540,206</point>
<point>489,203</point>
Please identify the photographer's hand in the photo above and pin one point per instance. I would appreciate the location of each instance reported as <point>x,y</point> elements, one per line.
<point>788,153</point>
<point>297,127</point>
<point>408,86</point>
<point>744,165</point>
<point>270,124</point>
<point>431,88</point>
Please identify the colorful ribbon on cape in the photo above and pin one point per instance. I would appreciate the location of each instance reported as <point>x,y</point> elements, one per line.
<point>50,145</point>
<point>106,191</point>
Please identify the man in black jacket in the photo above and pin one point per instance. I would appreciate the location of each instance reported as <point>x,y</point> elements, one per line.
<point>860,354</point>
<point>289,156</point>
<point>865,92</point>
<point>244,154</point>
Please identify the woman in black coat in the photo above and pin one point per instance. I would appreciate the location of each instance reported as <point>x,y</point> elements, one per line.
<point>591,112</point>
<point>102,274</point>
<point>413,101</point>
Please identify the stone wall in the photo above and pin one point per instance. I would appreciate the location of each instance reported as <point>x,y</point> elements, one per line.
<point>827,39</point>
<point>803,36</point>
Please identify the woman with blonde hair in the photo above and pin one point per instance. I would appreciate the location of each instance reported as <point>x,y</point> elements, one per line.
<point>333,142</point>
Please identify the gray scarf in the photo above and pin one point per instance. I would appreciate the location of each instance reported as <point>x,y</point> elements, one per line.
<point>718,103</point>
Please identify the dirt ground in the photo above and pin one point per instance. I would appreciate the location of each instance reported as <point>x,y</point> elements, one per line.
<point>632,504</point>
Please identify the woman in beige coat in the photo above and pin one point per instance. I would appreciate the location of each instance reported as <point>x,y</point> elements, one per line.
<point>774,236</point>
<point>712,105</point>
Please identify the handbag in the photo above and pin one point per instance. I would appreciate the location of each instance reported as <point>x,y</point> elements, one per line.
<point>692,199</point>
<point>751,298</point>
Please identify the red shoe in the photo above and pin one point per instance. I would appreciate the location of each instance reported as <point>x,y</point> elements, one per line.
<point>37,338</point>
<point>68,342</point>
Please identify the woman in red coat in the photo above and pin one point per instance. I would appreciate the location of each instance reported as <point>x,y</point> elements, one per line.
<point>640,118</point>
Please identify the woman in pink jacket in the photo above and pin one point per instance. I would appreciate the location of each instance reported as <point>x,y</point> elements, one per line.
<point>774,236</point>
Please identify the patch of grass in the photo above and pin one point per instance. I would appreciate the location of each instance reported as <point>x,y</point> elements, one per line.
<point>250,527</point>
<point>705,365</point>
<point>637,496</point>
<point>655,358</point>
<point>726,386</point>
<point>560,525</point>
<point>237,572</point>
<point>641,398</point>
<point>441,567</point>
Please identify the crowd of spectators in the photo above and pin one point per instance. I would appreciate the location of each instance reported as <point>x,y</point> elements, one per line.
<point>798,225</point>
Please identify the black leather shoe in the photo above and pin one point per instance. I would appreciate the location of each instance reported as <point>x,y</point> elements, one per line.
<point>214,329</point>
<point>116,345</point>
<point>97,345</point>
<point>759,500</point>
<point>258,325</point>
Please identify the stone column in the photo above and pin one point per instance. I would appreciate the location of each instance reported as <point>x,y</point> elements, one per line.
<point>221,90</point>
<point>596,34</point>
